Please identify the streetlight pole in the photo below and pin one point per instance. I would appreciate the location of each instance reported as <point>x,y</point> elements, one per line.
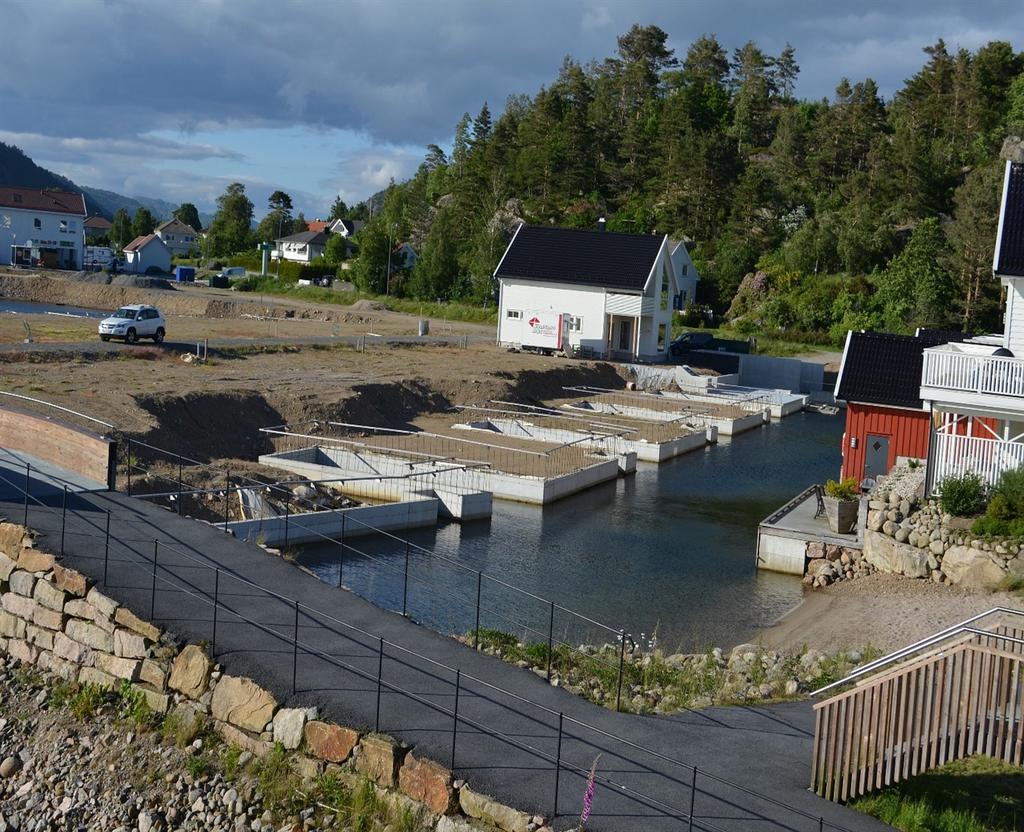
<point>280,247</point>
<point>391,245</point>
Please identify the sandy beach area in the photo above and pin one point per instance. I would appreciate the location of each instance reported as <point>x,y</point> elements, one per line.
<point>885,611</point>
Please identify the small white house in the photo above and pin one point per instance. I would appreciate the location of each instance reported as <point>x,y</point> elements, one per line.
<point>41,228</point>
<point>346,228</point>
<point>686,273</point>
<point>145,253</point>
<point>181,239</point>
<point>302,247</point>
<point>615,292</point>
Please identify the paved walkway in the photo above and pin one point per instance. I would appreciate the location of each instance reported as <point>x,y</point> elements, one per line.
<point>507,738</point>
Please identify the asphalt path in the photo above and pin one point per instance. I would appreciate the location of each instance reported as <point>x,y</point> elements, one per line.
<point>752,762</point>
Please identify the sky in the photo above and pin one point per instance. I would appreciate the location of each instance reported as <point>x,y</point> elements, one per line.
<point>327,97</point>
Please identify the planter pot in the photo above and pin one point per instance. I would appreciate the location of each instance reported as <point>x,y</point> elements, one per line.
<point>841,514</point>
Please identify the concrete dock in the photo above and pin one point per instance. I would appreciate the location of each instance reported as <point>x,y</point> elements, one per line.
<point>783,537</point>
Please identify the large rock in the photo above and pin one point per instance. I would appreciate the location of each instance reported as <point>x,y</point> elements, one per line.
<point>129,645</point>
<point>12,538</point>
<point>116,666</point>
<point>90,635</point>
<point>104,605</point>
<point>490,811</point>
<point>379,758</point>
<point>7,566</point>
<point>190,672</point>
<point>72,582</point>
<point>428,782</point>
<point>11,626</point>
<point>22,582</point>
<point>71,651</point>
<point>126,618</point>
<point>49,596</point>
<point>332,743</point>
<point>241,702</point>
<point>886,555</point>
<point>32,560</point>
<point>18,605</point>
<point>288,725</point>
<point>971,568</point>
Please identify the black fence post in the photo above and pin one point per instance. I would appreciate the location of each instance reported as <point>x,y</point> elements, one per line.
<point>380,673</point>
<point>295,649</point>
<point>287,512</point>
<point>28,487</point>
<point>216,603</point>
<point>227,496</point>
<point>558,766</point>
<point>63,519</point>
<point>129,462</point>
<point>455,714</point>
<point>341,553</point>
<point>693,799</point>
<point>152,591</point>
<point>476,631</point>
<point>106,549</point>
<point>180,484</point>
<point>622,661</point>
<point>821,824</point>
<point>405,586</point>
<point>551,636</point>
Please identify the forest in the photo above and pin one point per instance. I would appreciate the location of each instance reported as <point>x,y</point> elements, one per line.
<point>805,218</point>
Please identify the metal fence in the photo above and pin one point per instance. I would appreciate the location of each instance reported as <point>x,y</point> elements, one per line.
<point>306,634</point>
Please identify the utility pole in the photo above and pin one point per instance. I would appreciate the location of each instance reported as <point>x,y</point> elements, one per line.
<point>280,247</point>
<point>391,245</point>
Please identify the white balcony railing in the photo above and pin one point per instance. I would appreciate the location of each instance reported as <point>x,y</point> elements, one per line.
<point>968,373</point>
<point>954,456</point>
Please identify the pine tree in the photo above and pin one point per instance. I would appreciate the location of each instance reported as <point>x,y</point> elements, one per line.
<point>143,222</point>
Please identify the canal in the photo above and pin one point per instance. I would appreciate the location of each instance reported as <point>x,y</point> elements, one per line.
<point>668,552</point>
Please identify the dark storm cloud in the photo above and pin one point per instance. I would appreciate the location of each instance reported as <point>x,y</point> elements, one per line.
<point>404,71</point>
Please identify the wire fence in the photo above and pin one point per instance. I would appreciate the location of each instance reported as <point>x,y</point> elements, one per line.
<point>241,614</point>
<point>654,406</point>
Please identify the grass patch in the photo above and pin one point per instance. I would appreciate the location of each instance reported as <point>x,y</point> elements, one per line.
<point>85,701</point>
<point>977,794</point>
<point>361,809</point>
<point>277,780</point>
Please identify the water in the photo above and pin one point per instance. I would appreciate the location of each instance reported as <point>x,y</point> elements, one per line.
<point>17,307</point>
<point>670,550</point>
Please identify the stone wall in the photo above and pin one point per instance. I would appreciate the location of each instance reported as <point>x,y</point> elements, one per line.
<point>827,563</point>
<point>53,618</point>
<point>913,537</point>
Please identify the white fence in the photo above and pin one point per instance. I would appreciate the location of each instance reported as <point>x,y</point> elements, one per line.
<point>973,373</point>
<point>954,456</point>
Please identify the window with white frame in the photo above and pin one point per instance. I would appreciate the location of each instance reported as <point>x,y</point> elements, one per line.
<point>63,226</point>
<point>513,313</point>
<point>575,323</point>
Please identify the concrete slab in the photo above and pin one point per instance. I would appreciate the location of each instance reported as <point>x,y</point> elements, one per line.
<point>48,481</point>
<point>782,537</point>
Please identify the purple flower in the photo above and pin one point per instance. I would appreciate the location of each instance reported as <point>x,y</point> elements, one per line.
<point>588,796</point>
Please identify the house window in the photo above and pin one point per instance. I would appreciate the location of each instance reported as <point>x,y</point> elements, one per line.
<point>513,313</point>
<point>664,288</point>
<point>575,323</point>
<point>685,267</point>
<point>662,331</point>
<point>37,223</point>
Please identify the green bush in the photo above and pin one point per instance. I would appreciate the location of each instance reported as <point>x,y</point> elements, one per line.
<point>847,489</point>
<point>1008,495</point>
<point>999,508</point>
<point>963,496</point>
<point>993,527</point>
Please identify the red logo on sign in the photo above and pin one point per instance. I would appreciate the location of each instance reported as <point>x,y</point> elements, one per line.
<point>534,321</point>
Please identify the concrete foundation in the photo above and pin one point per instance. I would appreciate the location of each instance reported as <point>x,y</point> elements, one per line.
<point>783,537</point>
<point>725,425</point>
<point>779,402</point>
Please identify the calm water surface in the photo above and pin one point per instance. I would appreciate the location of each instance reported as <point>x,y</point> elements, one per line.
<point>669,550</point>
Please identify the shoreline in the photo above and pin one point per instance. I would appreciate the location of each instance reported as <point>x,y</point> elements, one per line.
<point>880,610</point>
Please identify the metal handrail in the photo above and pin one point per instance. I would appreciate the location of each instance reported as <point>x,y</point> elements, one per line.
<point>58,407</point>
<point>929,641</point>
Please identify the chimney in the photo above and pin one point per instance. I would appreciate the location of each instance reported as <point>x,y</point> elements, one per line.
<point>601,224</point>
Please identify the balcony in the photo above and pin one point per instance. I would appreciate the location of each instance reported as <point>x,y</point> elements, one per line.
<point>954,456</point>
<point>969,379</point>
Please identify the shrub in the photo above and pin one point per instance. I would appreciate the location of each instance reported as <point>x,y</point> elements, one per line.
<point>990,527</point>
<point>1009,491</point>
<point>999,508</point>
<point>963,496</point>
<point>847,489</point>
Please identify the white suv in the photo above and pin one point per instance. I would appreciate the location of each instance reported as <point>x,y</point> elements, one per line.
<point>132,323</point>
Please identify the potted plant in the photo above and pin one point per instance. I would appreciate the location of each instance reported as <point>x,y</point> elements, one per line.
<point>841,504</point>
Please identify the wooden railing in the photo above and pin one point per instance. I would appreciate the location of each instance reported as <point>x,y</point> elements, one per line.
<point>954,456</point>
<point>950,704</point>
<point>968,373</point>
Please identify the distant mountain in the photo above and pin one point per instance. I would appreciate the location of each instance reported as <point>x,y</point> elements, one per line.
<point>16,168</point>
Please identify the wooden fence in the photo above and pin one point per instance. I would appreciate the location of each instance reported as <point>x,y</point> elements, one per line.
<point>949,704</point>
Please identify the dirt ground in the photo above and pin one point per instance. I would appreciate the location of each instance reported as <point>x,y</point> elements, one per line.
<point>886,611</point>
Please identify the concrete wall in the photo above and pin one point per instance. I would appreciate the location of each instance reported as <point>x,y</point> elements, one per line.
<point>779,552</point>
<point>66,446</point>
<point>781,373</point>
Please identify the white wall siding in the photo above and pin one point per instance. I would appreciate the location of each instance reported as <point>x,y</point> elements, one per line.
<point>1013,327</point>
<point>620,304</point>
<point>18,225</point>
<point>584,302</point>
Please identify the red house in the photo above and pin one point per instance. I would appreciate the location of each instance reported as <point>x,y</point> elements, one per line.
<point>880,381</point>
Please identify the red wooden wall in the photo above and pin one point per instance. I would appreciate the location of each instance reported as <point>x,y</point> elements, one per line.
<point>907,431</point>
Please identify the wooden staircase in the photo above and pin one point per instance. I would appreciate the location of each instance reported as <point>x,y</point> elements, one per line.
<point>916,712</point>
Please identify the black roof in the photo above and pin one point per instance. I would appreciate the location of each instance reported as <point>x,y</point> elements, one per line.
<point>879,368</point>
<point>316,238</point>
<point>605,259</point>
<point>1009,259</point>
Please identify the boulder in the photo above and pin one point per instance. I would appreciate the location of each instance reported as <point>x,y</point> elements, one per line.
<point>887,555</point>
<point>22,583</point>
<point>13,538</point>
<point>241,702</point>
<point>115,666</point>
<point>190,672</point>
<point>129,645</point>
<point>288,725</point>
<point>71,651</point>
<point>332,743</point>
<point>104,605</point>
<point>11,626</point>
<point>152,673</point>
<point>427,782</point>
<point>50,619</point>
<point>379,758</point>
<point>126,618</point>
<point>70,581</point>
<point>90,635</point>
<point>490,811</point>
<point>47,595</point>
<point>32,560</point>
<point>971,568</point>
<point>18,605</point>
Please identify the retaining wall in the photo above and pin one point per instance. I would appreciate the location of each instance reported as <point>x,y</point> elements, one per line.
<point>72,448</point>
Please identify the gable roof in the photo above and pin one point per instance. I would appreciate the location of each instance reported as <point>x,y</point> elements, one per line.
<point>98,222</point>
<point>34,199</point>
<point>880,368</point>
<point>351,226</point>
<point>1009,252</point>
<point>141,242</point>
<point>316,225</point>
<point>177,226</point>
<point>313,238</point>
<point>605,259</point>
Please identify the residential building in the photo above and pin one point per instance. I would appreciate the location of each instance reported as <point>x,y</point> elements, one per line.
<point>147,253</point>
<point>316,225</point>
<point>41,228</point>
<point>686,273</point>
<point>404,256</point>
<point>181,239</point>
<point>302,247</point>
<point>975,389</point>
<point>616,291</point>
<point>97,226</point>
<point>346,228</point>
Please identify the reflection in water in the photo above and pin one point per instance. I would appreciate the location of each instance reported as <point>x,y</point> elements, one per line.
<point>670,549</point>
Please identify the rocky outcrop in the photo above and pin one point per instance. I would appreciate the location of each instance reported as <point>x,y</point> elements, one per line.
<point>886,554</point>
<point>971,568</point>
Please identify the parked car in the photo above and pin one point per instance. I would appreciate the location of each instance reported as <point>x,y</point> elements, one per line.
<point>689,341</point>
<point>131,323</point>
<point>232,272</point>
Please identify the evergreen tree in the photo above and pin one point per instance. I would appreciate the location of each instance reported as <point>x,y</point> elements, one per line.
<point>339,210</point>
<point>188,214</point>
<point>231,229</point>
<point>143,222</point>
<point>916,288</point>
<point>121,229</point>
<point>972,237</point>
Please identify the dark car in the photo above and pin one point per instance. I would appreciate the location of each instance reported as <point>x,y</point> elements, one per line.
<point>691,341</point>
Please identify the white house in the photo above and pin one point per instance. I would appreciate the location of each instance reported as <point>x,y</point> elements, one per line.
<point>181,239</point>
<point>302,247</point>
<point>975,388</point>
<point>617,291</point>
<point>686,273</point>
<point>145,253</point>
<point>346,228</point>
<point>41,228</point>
